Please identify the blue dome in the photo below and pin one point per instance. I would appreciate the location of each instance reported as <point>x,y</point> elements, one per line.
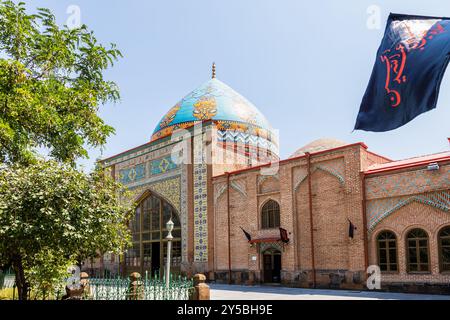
<point>215,101</point>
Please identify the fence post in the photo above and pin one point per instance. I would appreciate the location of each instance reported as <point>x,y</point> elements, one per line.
<point>80,291</point>
<point>201,289</point>
<point>84,282</point>
<point>136,289</point>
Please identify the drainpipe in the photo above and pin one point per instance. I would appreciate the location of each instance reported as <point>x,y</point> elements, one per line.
<point>311,226</point>
<point>229,228</point>
<point>364,212</point>
<point>295,218</point>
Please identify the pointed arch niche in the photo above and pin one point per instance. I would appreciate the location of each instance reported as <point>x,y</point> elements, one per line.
<point>148,252</point>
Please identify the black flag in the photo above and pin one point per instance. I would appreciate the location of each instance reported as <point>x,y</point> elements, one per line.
<point>407,74</point>
<point>284,235</point>
<point>351,229</point>
<point>249,237</point>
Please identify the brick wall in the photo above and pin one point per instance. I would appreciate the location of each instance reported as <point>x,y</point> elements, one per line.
<point>336,197</point>
<point>413,215</point>
<point>399,201</point>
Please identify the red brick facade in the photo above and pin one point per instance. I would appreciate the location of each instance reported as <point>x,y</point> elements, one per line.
<point>220,189</point>
<point>340,192</point>
<point>319,192</point>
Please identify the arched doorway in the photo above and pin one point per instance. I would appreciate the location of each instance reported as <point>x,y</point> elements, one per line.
<point>272,265</point>
<point>148,229</point>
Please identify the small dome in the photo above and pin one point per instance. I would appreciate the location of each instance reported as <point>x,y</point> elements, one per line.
<point>318,145</point>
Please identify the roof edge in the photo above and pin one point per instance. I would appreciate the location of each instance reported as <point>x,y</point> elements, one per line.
<point>361,144</point>
<point>407,165</point>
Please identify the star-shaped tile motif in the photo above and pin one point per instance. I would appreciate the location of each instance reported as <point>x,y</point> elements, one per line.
<point>164,165</point>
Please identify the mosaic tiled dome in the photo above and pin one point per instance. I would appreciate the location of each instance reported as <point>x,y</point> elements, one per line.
<point>318,145</point>
<point>215,101</point>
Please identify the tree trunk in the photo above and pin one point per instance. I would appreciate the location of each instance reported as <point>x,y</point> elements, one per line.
<point>21,283</point>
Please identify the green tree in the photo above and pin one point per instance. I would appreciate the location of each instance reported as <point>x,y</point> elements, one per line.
<point>51,86</point>
<point>51,215</point>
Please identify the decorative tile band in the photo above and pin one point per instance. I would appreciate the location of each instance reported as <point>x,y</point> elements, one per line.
<point>145,152</point>
<point>224,126</point>
<point>234,136</point>
<point>379,209</point>
<point>162,165</point>
<point>200,202</point>
<point>169,189</point>
<point>405,183</point>
<point>139,172</point>
<point>151,179</point>
<point>184,215</point>
<point>133,174</point>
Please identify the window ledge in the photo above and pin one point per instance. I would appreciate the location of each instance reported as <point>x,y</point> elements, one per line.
<point>390,273</point>
<point>419,272</point>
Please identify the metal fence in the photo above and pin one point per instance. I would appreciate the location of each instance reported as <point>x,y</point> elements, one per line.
<point>7,279</point>
<point>147,288</point>
<point>122,288</point>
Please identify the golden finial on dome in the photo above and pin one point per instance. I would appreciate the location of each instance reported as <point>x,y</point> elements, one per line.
<point>213,70</point>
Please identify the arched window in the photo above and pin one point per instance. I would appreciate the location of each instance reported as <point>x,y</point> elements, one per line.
<point>387,251</point>
<point>270,215</point>
<point>148,230</point>
<point>444,249</point>
<point>417,251</point>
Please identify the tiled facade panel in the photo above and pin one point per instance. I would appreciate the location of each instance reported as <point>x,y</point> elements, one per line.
<point>200,201</point>
<point>413,181</point>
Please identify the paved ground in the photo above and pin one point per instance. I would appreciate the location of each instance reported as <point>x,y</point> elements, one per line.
<point>236,292</point>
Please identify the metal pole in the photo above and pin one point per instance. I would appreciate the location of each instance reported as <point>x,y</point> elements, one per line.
<point>311,225</point>
<point>169,238</point>
<point>229,231</point>
<point>169,247</point>
<point>364,212</point>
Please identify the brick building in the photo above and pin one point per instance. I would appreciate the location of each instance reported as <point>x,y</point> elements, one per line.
<point>316,219</point>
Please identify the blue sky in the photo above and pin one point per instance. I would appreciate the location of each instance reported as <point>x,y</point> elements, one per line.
<point>304,64</point>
